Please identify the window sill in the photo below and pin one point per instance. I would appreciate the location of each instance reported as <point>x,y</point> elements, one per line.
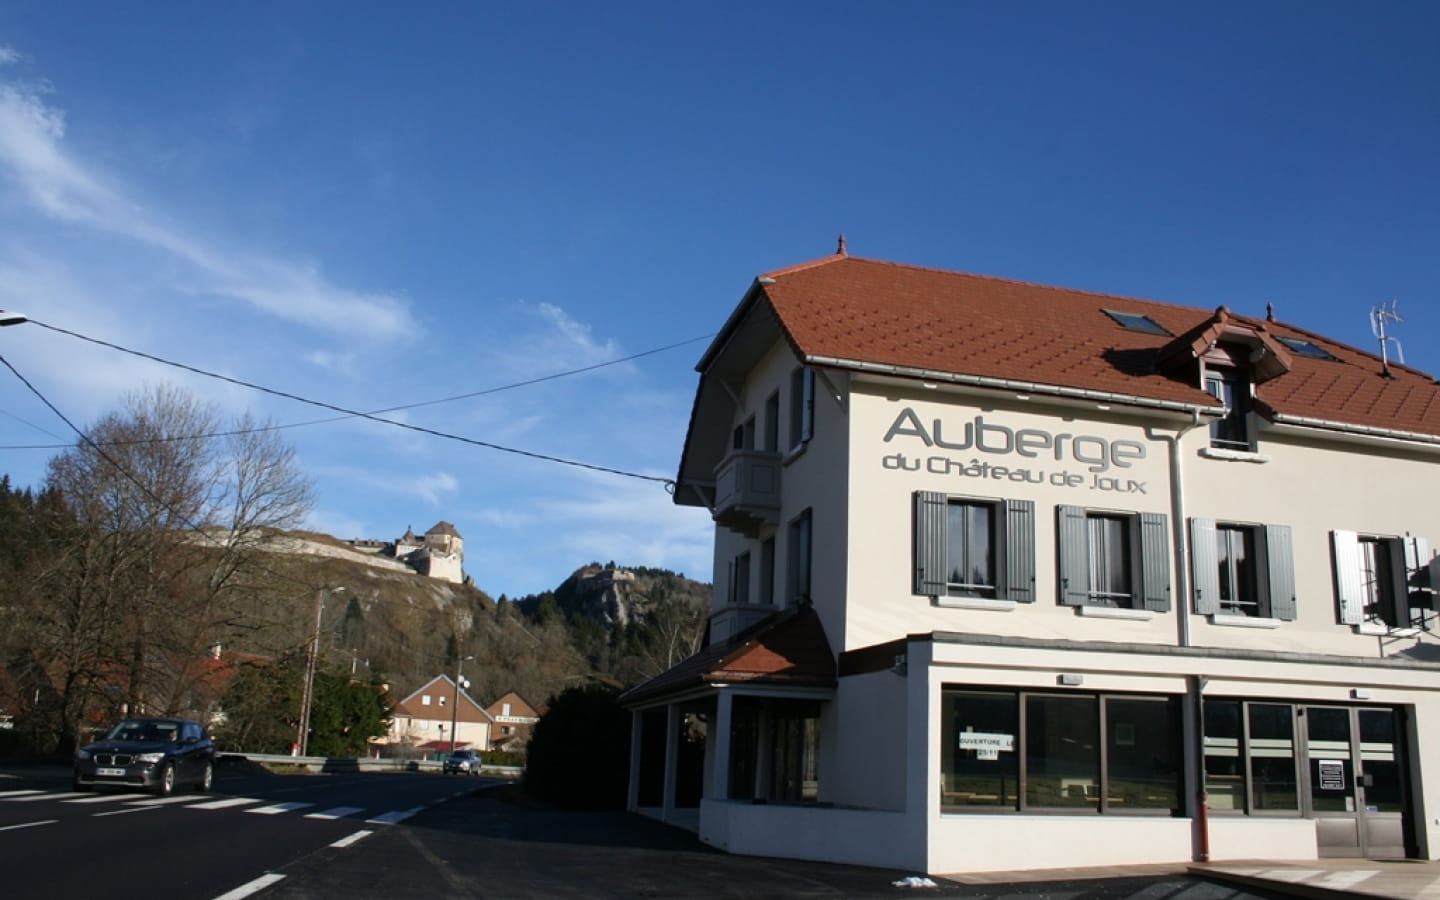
<point>1380,629</point>
<point>1233,455</point>
<point>976,603</point>
<point>1233,621</point>
<point>1112,612</point>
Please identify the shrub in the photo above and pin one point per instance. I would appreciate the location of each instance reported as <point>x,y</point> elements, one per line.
<point>579,753</point>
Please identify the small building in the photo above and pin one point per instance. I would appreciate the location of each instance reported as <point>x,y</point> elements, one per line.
<point>424,719</point>
<point>514,719</point>
<point>1011,576</point>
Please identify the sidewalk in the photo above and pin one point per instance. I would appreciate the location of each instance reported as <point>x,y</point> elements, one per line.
<point>1332,879</point>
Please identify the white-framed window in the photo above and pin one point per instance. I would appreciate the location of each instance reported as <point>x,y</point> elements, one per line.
<point>1232,388</point>
<point>425,700</point>
<point>1114,559</point>
<point>1382,581</point>
<point>798,559</point>
<point>1242,569</point>
<point>802,407</point>
<point>971,547</point>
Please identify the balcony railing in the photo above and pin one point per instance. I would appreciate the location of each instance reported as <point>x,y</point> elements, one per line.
<point>747,490</point>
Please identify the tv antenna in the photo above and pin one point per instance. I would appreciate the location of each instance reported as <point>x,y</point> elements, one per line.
<point>1379,315</point>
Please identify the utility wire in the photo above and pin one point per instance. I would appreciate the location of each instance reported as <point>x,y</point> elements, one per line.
<point>481,393</point>
<point>351,413</point>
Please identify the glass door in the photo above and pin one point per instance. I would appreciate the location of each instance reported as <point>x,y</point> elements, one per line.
<point>1356,790</point>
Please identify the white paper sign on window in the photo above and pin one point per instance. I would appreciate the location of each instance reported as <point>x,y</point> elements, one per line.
<point>1332,775</point>
<point>985,745</point>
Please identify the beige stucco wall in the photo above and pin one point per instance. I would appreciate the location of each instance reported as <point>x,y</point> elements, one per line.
<point>881,604</point>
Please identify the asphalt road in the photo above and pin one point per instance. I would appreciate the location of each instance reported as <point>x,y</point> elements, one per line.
<point>55,843</point>
<point>422,835</point>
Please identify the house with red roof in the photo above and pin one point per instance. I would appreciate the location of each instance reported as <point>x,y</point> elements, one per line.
<point>1011,576</point>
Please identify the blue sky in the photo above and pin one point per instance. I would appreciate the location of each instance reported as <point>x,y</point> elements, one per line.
<point>382,204</point>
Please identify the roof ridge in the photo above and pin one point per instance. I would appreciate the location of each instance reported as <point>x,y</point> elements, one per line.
<point>997,278</point>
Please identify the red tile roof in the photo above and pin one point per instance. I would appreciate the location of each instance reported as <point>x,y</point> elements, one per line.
<point>789,648</point>
<point>858,311</point>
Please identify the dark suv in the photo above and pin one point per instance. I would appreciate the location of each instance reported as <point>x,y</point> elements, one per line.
<point>154,754</point>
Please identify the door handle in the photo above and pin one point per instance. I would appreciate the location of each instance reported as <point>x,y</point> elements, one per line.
<point>1364,781</point>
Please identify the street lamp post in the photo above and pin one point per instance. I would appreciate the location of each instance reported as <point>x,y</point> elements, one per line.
<point>455,707</point>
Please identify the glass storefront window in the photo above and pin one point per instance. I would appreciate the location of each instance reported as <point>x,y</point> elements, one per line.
<point>1272,757</point>
<point>980,765</point>
<point>1014,750</point>
<point>1062,751</point>
<point>1142,773</point>
<point>1224,774</point>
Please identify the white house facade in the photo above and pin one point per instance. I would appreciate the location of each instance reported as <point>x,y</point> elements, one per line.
<point>1010,576</point>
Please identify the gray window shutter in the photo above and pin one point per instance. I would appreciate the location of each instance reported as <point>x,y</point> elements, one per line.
<point>1280,572</point>
<point>807,417</point>
<point>1417,568</point>
<point>1348,591</point>
<point>1074,555</point>
<point>1020,550</point>
<point>1205,567</point>
<point>1155,561</point>
<point>931,522</point>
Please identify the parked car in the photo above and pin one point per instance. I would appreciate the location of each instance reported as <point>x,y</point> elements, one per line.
<point>153,754</point>
<point>463,762</point>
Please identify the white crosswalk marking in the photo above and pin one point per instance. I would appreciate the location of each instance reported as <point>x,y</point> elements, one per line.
<point>338,812</point>
<point>161,801</point>
<point>104,798</point>
<point>32,798</point>
<point>392,818</point>
<point>224,804</point>
<point>28,825</point>
<point>11,795</point>
<point>276,808</point>
<point>251,887</point>
<point>350,839</point>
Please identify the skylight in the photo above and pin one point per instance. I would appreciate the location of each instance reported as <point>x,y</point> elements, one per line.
<point>1136,322</point>
<point>1305,348</point>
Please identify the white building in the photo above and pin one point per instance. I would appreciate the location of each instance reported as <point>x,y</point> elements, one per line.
<point>1011,576</point>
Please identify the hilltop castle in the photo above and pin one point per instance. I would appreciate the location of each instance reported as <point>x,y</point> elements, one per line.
<point>439,553</point>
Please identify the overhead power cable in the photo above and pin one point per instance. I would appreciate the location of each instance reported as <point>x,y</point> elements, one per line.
<point>352,413</point>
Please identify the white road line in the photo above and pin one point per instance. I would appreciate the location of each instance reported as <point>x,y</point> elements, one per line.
<point>121,812</point>
<point>11,795</point>
<point>105,798</point>
<point>338,812</point>
<point>161,801</point>
<point>347,841</point>
<point>28,825</point>
<point>224,804</point>
<point>392,818</point>
<point>278,808</point>
<point>251,887</point>
<point>34,797</point>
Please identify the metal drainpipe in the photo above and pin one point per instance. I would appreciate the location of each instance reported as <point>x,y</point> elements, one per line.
<point>1195,684</point>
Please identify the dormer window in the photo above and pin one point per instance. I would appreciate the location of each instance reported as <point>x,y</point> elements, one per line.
<point>1232,388</point>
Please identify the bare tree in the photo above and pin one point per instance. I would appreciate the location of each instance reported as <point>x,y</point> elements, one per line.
<point>171,522</point>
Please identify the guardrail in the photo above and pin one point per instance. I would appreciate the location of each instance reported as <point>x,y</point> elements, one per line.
<point>358,764</point>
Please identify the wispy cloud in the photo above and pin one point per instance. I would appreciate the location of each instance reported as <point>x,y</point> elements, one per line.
<point>49,179</point>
